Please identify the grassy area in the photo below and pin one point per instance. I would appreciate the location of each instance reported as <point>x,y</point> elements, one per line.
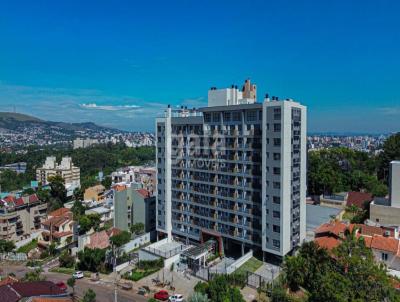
<point>27,247</point>
<point>138,274</point>
<point>250,265</point>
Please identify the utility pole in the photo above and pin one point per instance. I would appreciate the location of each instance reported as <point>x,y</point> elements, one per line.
<point>115,275</point>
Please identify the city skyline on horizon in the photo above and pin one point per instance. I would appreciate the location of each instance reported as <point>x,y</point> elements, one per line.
<point>65,63</point>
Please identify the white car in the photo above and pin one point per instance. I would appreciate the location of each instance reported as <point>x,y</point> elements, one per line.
<point>176,298</point>
<point>78,275</point>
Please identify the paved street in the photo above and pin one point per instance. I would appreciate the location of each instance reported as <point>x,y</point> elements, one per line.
<point>104,291</point>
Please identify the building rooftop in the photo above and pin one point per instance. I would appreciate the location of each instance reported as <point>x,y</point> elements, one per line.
<point>358,199</point>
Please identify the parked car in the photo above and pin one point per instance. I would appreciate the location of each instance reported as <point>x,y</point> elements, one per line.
<point>61,285</point>
<point>142,291</point>
<point>161,295</point>
<point>176,298</point>
<point>78,275</point>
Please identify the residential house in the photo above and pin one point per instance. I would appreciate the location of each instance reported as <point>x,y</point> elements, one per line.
<point>28,291</point>
<point>384,242</point>
<point>58,228</point>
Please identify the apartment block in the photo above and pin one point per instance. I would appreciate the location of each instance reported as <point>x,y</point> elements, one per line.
<point>131,206</point>
<point>19,217</point>
<point>234,171</point>
<point>66,169</point>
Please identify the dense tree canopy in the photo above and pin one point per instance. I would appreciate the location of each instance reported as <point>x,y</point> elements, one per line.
<point>391,151</point>
<point>341,169</point>
<point>219,289</point>
<point>106,158</point>
<point>92,259</point>
<point>349,274</point>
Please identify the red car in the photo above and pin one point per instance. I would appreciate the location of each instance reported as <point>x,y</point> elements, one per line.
<point>61,285</point>
<point>161,295</point>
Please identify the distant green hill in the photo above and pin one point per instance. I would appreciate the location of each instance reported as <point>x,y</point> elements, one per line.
<point>4,116</point>
<point>13,121</point>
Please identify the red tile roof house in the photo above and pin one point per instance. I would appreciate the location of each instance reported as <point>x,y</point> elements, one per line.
<point>358,199</point>
<point>58,229</point>
<point>23,291</point>
<point>385,247</point>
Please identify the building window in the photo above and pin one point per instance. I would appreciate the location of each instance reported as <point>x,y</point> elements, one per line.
<point>277,127</point>
<point>276,200</point>
<point>227,116</point>
<point>207,117</point>
<point>251,116</point>
<point>276,214</point>
<point>277,156</point>
<point>277,171</point>
<point>277,142</point>
<point>216,117</point>
<point>276,243</point>
<point>276,228</point>
<point>384,256</point>
<point>276,185</point>
<point>236,116</point>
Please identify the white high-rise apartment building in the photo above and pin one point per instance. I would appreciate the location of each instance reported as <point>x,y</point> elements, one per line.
<point>234,171</point>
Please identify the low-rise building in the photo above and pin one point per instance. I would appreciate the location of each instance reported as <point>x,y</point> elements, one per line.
<point>19,217</point>
<point>95,193</point>
<point>132,206</point>
<point>384,242</point>
<point>58,228</point>
<point>104,213</point>
<point>32,291</point>
<point>137,176</point>
<point>386,211</point>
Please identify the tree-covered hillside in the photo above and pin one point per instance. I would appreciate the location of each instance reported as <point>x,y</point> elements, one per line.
<point>90,160</point>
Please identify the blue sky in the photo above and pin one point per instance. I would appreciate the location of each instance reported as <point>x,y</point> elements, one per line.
<point>119,63</point>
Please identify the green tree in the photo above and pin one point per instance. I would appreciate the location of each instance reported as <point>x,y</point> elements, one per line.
<point>120,239</point>
<point>198,297</point>
<point>6,246</point>
<point>92,259</point>
<point>294,272</point>
<point>71,283</point>
<point>78,210</point>
<point>34,276</point>
<point>86,222</point>
<point>391,151</point>
<point>78,194</point>
<point>66,260</point>
<point>106,182</point>
<point>57,186</point>
<point>137,228</point>
<point>90,296</point>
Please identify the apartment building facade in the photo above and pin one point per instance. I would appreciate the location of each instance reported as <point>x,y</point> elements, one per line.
<point>234,171</point>
<point>66,169</point>
<point>134,205</point>
<point>19,217</point>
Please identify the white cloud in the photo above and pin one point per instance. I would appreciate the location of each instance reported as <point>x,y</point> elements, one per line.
<point>390,110</point>
<point>109,107</point>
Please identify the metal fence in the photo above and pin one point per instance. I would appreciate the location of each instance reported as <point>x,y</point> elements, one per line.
<point>13,257</point>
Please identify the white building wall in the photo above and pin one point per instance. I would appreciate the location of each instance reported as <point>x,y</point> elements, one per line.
<point>395,184</point>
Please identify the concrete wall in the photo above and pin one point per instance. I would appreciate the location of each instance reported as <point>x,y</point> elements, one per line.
<point>394,182</point>
<point>137,242</point>
<point>239,262</point>
<point>384,214</point>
